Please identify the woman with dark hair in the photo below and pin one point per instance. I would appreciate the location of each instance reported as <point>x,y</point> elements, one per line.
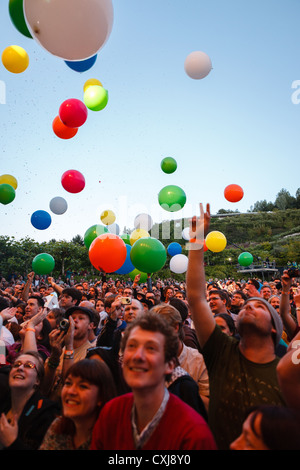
<point>268,427</point>
<point>88,385</point>
<point>25,413</point>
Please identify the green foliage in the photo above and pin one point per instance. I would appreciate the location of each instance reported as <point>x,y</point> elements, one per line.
<point>275,235</point>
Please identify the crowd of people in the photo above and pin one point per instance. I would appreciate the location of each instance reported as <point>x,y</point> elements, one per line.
<point>161,365</point>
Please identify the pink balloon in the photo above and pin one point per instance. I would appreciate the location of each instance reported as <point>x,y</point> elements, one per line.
<point>73,181</point>
<point>73,112</point>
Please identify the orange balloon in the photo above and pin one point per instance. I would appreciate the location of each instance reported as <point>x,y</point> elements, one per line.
<point>61,130</point>
<point>233,193</point>
<point>107,252</point>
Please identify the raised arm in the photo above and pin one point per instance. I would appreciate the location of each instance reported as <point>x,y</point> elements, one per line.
<point>289,323</point>
<point>288,373</point>
<point>202,315</point>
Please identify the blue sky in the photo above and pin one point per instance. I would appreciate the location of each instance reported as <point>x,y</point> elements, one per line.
<point>237,125</point>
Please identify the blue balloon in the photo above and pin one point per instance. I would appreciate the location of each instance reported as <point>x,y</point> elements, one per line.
<point>174,249</point>
<point>41,220</point>
<point>127,266</point>
<point>81,65</point>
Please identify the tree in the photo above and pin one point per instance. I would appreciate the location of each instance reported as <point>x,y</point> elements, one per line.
<point>284,200</point>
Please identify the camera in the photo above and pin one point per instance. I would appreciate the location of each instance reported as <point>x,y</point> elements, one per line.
<point>125,300</point>
<point>293,272</point>
<point>64,325</point>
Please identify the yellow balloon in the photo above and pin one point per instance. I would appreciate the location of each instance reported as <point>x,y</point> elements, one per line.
<point>91,82</point>
<point>215,241</point>
<point>15,59</point>
<point>137,234</point>
<point>9,179</point>
<point>107,217</point>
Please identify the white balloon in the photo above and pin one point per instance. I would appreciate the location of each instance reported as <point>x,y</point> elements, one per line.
<point>197,65</point>
<point>179,263</point>
<point>58,205</point>
<point>114,228</point>
<point>70,29</point>
<point>143,221</point>
<point>186,233</point>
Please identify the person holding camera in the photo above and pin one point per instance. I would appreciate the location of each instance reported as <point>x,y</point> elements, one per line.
<point>69,344</point>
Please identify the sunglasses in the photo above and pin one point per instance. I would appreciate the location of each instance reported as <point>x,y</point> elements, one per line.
<point>26,365</point>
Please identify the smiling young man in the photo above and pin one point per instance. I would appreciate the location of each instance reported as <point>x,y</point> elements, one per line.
<point>144,419</point>
<point>242,372</point>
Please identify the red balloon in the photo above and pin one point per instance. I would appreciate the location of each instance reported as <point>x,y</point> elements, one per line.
<point>73,181</point>
<point>73,113</point>
<point>233,193</point>
<point>61,130</point>
<point>107,252</point>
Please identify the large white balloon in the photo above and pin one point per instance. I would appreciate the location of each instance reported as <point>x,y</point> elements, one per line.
<point>179,264</point>
<point>58,205</point>
<point>70,29</point>
<point>197,65</point>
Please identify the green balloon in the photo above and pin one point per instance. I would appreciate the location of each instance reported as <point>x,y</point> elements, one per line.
<point>93,232</point>
<point>245,259</point>
<point>148,255</point>
<point>126,238</point>
<point>15,8</point>
<point>7,193</point>
<point>95,97</point>
<point>43,264</point>
<point>135,272</point>
<point>172,198</point>
<point>168,165</point>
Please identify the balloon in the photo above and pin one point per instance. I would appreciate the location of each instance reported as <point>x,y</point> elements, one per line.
<point>114,228</point>
<point>58,205</point>
<point>179,264</point>
<point>233,193</point>
<point>107,217</point>
<point>81,65</point>
<point>15,8</point>
<point>135,272</point>
<point>197,65</point>
<point>245,259</point>
<point>61,130</point>
<point>9,179</point>
<point>126,238</point>
<point>15,59</point>
<point>148,255</point>
<point>41,220</point>
<point>186,233</point>
<point>127,267</point>
<point>70,29</point>
<point>91,82</point>
<point>215,241</point>
<point>172,198</point>
<point>143,221</point>
<point>43,264</point>
<point>174,249</point>
<point>73,181</point>
<point>168,165</point>
<point>107,252</point>
<point>137,234</point>
<point>73,113</point>
<point>93,232</point>
<point>95,97</point>
<point>7,193</point>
